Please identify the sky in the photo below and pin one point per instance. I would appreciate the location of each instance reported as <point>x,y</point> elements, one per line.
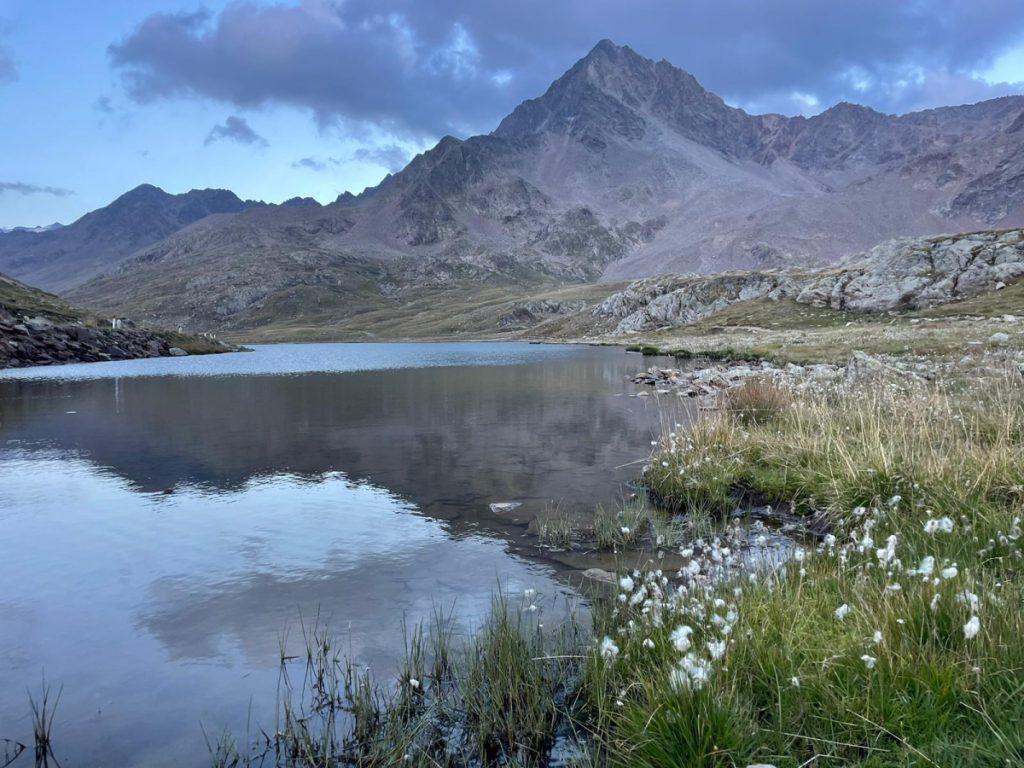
<point>281,98</point>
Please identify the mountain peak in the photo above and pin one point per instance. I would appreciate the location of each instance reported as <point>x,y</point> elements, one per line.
<point>142,192</point>
<point>615,93</point>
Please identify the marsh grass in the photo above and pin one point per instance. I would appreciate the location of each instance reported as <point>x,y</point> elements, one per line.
<point>622,527</point>
<point>895,641</point>
<point>44,709</point>
<point>757,402</point>
<point>499,698</point>
<point>556,528</point>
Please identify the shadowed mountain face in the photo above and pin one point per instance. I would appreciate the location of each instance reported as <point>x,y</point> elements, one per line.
<point>624,168</point>
<point>60,257</point>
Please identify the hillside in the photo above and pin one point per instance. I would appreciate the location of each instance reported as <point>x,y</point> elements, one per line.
<point>38,328</point>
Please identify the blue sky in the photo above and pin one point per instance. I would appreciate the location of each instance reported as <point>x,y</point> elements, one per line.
<point>278,98</point>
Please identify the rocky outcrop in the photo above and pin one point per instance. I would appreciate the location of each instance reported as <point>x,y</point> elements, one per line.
<point>908,273</point>
<point>38,341</point>
<point>913,273</point>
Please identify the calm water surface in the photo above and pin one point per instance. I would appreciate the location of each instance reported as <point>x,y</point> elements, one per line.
<point>165,521</point>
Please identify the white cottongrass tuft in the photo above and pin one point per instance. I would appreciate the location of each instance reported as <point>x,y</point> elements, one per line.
<point>648,643</point>
<point>609,650</point>
<point>626,584</point>
<point>887,554</point>
<point>950,572</point>
<point>926,567</point>
<point>691,674</point>
<point>414,683</point>
<point>842,611</point>
<point>869,661</point>
<point>939,525</point>
<point>972,628</point>
<point>680,638</point>
<point>716,649</point>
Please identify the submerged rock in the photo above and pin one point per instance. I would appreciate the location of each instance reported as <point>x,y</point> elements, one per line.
<point>599,575</point>
<point>504,507</point>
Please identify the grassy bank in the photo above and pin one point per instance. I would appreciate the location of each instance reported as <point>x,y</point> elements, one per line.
<point>894,641</point>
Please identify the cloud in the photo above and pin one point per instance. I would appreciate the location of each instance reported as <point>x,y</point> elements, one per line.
<point>103,104</point>
<point>235,129</point>
<point>316,164</point>
<point>20,188</point>
<point>419,69</point>
<point>390,156</point>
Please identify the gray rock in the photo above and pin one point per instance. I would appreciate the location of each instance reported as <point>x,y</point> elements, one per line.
<point>999,338</point>
<point>907,273</point>
<point>177,352</point>
<point>504,507</point>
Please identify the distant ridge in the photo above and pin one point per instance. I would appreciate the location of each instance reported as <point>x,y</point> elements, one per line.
<point>59,257</point>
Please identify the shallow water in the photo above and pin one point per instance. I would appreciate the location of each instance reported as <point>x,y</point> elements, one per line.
<point>164,521</point>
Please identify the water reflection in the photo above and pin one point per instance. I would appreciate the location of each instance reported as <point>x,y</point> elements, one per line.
<point>448,439</point>
<point>162,531</point>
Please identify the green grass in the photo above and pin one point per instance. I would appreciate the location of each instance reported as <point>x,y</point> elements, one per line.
<point>616,529</point>
<point>897,681</point>
<point>469,310</point>
<point>20,299</point>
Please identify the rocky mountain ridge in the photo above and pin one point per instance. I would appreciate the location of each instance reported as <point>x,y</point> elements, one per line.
<point>624,168</point>
<point>58,257</point>
<point>901,274</point>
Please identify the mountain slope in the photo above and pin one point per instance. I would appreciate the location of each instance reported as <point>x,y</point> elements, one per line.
<point>623,168</point>
<point>58,258</point>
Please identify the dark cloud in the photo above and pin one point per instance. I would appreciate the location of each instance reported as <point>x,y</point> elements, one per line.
<point>20,188</point>
<point>422,69</point>
<point>390,156</point>
<point>104,104</point>
<point>235,129</point>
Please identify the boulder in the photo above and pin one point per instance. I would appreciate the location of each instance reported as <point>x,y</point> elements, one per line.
<point>177,352</point>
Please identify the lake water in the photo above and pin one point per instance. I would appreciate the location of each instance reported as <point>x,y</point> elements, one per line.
<point>163,522</point>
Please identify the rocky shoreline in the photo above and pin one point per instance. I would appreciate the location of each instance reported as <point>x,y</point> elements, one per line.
<point>36,341</point>
<point>711,380</point>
